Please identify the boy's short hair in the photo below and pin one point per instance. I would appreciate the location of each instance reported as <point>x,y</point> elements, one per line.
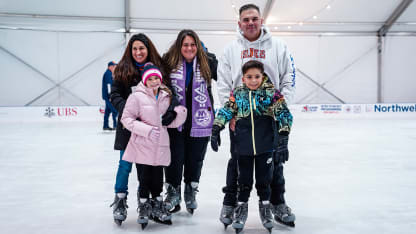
<point>253,64</point>
<point>249,6</point>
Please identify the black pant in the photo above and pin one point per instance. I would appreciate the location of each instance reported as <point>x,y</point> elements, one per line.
<point>263,164</point>
<point>187,155</point>
<point>151,180</point>
<point>230,189</point>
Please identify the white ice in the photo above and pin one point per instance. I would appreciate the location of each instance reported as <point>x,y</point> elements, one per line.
<point>344,176</point>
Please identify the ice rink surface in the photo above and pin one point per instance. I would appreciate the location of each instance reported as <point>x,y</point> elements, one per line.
<point>344,176</point>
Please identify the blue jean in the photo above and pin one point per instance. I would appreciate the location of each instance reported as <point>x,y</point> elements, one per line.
<point>122,177</point>
<point>109,109</point>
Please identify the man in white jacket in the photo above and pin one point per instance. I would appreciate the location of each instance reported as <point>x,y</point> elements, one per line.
<point>255,42</point>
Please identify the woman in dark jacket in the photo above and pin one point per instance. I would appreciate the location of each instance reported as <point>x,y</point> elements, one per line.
<point>190,77</point>
<point>128,73</point>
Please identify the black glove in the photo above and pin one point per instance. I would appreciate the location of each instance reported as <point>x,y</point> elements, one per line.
<point>168,117</point>
<point>215,137</point>
<point>170,114</point>
<point>282,152</point>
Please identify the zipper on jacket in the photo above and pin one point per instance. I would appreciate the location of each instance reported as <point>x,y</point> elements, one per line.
<point>252,123</point>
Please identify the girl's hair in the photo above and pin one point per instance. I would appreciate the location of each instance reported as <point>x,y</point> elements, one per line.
<point>126,70</point>
<point>174,57</point>
<point>253,64</point>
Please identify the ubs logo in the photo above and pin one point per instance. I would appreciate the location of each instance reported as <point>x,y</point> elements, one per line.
<point>61,112</point>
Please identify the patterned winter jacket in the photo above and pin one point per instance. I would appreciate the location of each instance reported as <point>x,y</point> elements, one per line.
<point>260,115</point>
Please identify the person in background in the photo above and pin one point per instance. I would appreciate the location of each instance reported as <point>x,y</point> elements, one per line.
<point>106,88</point>
<point>128,73</point>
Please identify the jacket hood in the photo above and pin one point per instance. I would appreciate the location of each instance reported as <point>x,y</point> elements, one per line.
<point>163,90</point>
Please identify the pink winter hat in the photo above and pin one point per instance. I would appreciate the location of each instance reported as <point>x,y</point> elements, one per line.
<point>151,70</point>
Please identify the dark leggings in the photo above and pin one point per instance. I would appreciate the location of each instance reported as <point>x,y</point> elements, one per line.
<point>151,181</point>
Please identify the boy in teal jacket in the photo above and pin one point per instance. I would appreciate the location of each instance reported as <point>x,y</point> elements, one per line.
<point>261,117</point>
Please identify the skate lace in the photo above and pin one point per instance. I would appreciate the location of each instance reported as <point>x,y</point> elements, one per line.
<point>120,203</point>
<point>239,212</point>
<point>284,209</point>
<point>146,208</point>
<point>265,213</point>
<point>170,193</point>
<point>160,210</point>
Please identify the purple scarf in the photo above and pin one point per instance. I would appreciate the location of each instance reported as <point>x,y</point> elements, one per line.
<point>202,115</point>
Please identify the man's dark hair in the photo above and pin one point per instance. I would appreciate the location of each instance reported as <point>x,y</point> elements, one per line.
<point>249,6</point>
<point>253,64</point>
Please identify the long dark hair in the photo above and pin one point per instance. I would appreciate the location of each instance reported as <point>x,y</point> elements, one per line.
<point>126,70</point>
<point>173,57</point>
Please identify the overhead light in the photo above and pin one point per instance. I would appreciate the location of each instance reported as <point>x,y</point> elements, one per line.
<point>300,23</point>
<point>233,6</point>
<point>276,28</point>
<point>328,7</point>
<point>315,17</point>
<point>289,27</point>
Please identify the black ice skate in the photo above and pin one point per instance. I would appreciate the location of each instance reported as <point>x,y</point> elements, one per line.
<point>159,212</point>
<point>119,208</point>
<point>240,216</point>
<point>283,214</point>
<point>145,210</point>
<point>173,198</point>
<point>226,216</point>
<point>265,211</point>
<point>189,196</point>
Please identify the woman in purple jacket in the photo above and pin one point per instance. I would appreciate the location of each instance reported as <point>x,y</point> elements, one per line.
<point>190,78</point>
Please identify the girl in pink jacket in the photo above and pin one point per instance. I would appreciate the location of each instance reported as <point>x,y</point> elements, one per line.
<point>149,142</point>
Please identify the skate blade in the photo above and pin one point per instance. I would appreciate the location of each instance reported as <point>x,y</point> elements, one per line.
<point>144,225</point>
<point>166,222</point>
<point>118,222</point>
<point>175,209</point>
<point>269,229</point>
<point>190,210</point>
<point>289,224</point>
<point>225,226</point>
<point>238,230</point>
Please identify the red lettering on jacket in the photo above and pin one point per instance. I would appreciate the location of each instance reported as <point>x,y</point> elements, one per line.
<point>253,53</point>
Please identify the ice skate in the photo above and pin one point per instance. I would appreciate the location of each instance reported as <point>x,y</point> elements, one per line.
<point>226,216</point>
<point>240,216</point>
<point>119,208</point>
<point>173,198</point>
<point>189,196</point>
<point>265,211</point>
<point>283,214</point>
<point>159,212</point>
<point>145,210</point>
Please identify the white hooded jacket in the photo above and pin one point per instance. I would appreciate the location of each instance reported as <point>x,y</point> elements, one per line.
<point>271,51</point>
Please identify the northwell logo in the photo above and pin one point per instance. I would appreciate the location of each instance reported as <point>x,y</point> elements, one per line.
<point>395,108</point>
